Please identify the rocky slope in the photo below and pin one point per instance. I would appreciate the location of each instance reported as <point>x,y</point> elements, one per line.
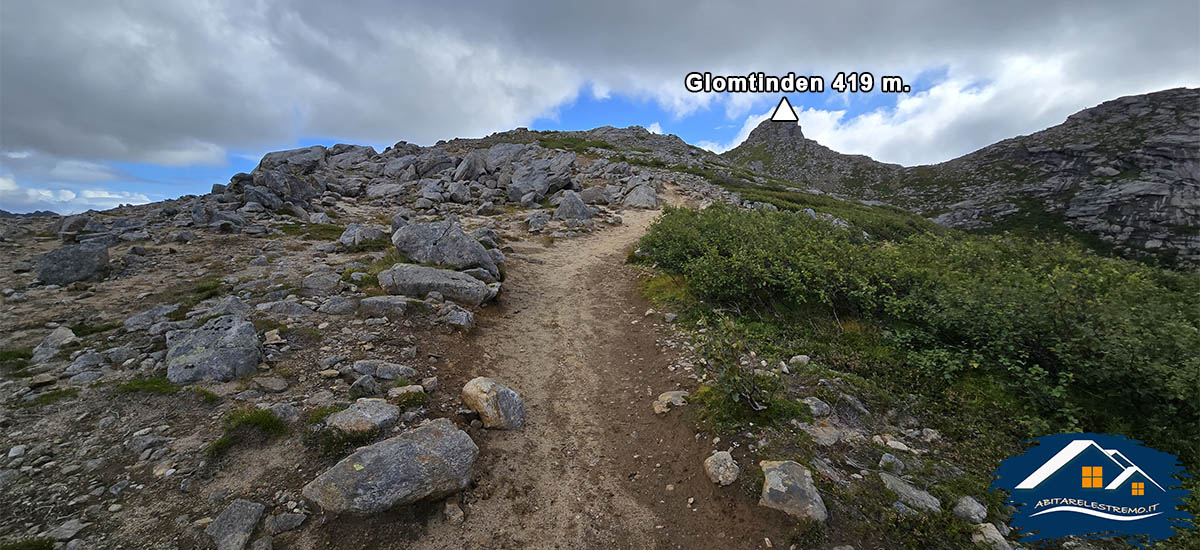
<point>1125,173</point>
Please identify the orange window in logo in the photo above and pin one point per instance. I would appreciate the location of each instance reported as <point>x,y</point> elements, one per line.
<point>1093,477</point>
<point>1138,489</point>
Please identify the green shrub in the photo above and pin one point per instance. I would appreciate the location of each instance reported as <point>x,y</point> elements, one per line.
<point>1079,341</point>
<point>82,330</point>
<point>40,543</point>
<point>319,414</point>
<point>52,396</point>
<point>206,395</point>
<point>244,424</point>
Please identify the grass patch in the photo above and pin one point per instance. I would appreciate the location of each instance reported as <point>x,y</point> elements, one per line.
<point>16,354</point>
<point>383,243</point>
<point>411,400</point>
<point>313,231</point>
<point>40,543</point>
<point>206,395</point>
<point>301,334</point>
<point>374,268</point>
<point>52,396</point>
<point>188,295</point>
<point>572,143</point>
<point>319,414</point>
<point>243,425</point>
<point>156,384</point>
<point>331,442</point>
<point>83,330</point>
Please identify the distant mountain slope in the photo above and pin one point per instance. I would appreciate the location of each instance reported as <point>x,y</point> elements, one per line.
<point>1124,174</point>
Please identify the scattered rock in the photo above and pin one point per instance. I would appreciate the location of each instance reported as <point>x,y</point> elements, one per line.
<point>365,415</point>
<point>970,509</point>
<point>721,468</point>
<point>498,406</point>
<point>667,400</point>
<point>416,280</point>
<point>910,495</point>
<point>428,462</point>
<point>232,529</point>
<point>364,386</point>
<point>281,523</point>
<point>789,487</point>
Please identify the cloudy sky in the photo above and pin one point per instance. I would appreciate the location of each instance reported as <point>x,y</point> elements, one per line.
<point>103,103</point>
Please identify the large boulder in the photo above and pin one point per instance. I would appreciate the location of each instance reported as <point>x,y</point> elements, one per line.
<point>541,177</point>
<point>443,243</point>
<point>498,406</point>
<point>431,461</point>
<point>472,166</point>
<point>642,196</point>
<point>358,234</point>
<point>788,487</point>
<point>572,208</point>
<point>416,280</point>
<point>224,348</point>
<point>502,154</point>
<point>72,263</point>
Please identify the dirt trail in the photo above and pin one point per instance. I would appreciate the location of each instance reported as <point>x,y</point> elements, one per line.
<point>592,467</point>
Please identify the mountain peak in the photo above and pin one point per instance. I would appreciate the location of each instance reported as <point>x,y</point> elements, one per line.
<point>772,130</point>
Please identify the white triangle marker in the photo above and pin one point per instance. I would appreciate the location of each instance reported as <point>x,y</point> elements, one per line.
<point>784,112</point>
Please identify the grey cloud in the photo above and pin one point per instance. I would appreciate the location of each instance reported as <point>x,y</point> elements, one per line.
<point>181,83</point>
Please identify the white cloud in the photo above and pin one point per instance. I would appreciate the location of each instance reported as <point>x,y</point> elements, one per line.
<point>748,126</point>
<point>654,128</point>
<point>15,198</point>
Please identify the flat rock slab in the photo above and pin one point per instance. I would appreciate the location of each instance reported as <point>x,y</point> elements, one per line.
<point>365,415</point>
<point>72,263</point>
<point>223,349</point>
<point>911,495</point>
<point>431,461</point>
<point>419,281</point>
<point>443,243</point>
<point>788,487</point>
<point>232,529</point>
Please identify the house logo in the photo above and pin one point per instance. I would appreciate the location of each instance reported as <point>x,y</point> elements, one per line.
<point>1094,485</point>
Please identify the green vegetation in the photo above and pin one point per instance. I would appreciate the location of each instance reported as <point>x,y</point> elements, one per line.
<point>411,400</point>
<point>331,442</point>
<point>191,293</point>
<point>156,384</point>
<point>206,395</point>
<point>954,328</point>
<point>40,543</point>
<point>52,396</point>
<point>383,243</point>
<point>243,425</point>
<point>83,330</point>
<point>374,268</point>
<point>573,143</point>
<point>319,414</point>
<point>14,361</point>
<point>313,231</point>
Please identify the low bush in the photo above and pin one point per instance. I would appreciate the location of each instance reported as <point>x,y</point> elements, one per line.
<point>1080,342</point>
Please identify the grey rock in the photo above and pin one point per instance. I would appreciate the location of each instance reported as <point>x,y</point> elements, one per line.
<point>72,263</point>
<point>572,208</point>
<point>788,487</point>
<point>282,523</point>
<point>52,344</point>
<point>593,195</point>
<point>392,307</point>
<point>987,535</point>
<point>970,509</point>
<point>364,416</point>
<point>285,307</point>
<point>143,320</point>
<point>223,349</point>
<point>357,234</point>
<point>416,280</point>
<point>67,530</point>
<point>721,468</point>
<point>232,529</point>
<point>339,305</point>
<point>472,166</point>
<point>321,284</point>
<point>819,408</point>
<point>909,494</point>
<point>364,386</point>
<point>498,406</point>
<point>443,243</point>
<point>642,196</point>
<point>428,462</point>
<point>890,463</point>
<point>501,155</point>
